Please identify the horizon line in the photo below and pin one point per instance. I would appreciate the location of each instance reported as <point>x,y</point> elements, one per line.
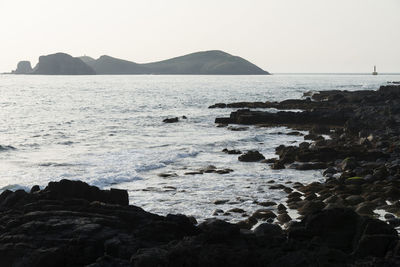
<point>336,73</point>
<point>270,73</point>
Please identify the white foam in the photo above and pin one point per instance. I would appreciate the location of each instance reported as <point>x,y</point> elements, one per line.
<point>14,187</point>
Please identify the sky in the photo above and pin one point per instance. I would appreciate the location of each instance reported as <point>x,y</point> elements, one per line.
<point>280,36</point>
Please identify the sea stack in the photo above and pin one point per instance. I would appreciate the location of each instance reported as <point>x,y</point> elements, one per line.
<point>23,67</point>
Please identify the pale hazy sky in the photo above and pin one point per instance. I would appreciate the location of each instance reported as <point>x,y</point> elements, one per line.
<point>277,35</point>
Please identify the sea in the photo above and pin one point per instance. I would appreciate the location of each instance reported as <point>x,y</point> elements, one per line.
<point>108,131</point>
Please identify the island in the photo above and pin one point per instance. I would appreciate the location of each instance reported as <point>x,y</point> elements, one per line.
<point>214,62</point>
<point>23,67</point>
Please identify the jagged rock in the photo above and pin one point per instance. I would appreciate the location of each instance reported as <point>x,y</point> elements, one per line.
<point>77,189</point>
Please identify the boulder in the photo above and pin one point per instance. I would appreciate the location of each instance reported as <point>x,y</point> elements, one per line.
<point>269,230</point>
<point>284,218</point>
<point>345,230</point>
<point>232,152</point>
<point>251,156</point>
<point>171,120</point>
<point>311,166</point>
<point>77,189</point>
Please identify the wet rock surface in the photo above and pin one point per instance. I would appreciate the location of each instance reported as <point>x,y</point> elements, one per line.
<point>210,169</point>
<point>251,156</point>
<point>171,120</point>
<point>70,223</point>
<point>232,151</point>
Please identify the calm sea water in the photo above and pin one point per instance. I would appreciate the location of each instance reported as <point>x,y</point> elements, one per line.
<point>108,131</point>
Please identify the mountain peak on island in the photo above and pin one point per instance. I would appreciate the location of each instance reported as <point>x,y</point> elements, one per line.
<point>212,62</point>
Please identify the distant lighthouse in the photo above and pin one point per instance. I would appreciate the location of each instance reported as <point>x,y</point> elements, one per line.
<point>375,73</point>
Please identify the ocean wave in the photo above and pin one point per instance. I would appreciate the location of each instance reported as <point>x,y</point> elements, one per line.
<point>66,143</point>
<point>151,166</point>
<point>35,145</point>
<point>113,168</point>
<point>349,86</point>
<point>6,148</point>
<point>113,180</point>
<point>256,138</point>
<point>181,155</point>
<point>14,187</point>
<point>55,164</point>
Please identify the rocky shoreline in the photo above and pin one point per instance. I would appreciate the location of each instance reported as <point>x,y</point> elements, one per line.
<point>70,223</point>
<point>353,136</point>
<point>360,151</point>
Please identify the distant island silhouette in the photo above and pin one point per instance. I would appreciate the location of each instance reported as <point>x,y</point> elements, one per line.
<point>214,62</point>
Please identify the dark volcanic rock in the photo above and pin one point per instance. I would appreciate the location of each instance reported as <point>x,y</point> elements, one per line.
<point>171,120</point>
<point>361,158</point>
<point>269,230</point>
<point>77,189</point>
<point>284,218</point>
<point>317,116</point>
<point>343,229</point>
<point>311,166</point>
<point>35,188</point>
<point>232,152</point>
<point>70,223</point>
<point>209,169</point>
<point>251,156</point>
<point>62,64</point>
<point>340,245</point>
